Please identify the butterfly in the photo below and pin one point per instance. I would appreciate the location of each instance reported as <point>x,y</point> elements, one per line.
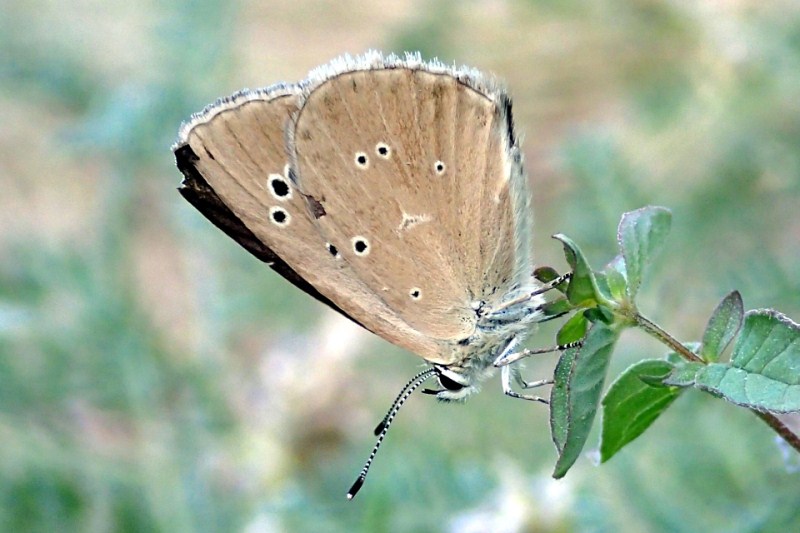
<point>391,189</point>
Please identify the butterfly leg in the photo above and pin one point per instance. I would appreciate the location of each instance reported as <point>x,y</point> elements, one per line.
<point>552,284</point>
<point>532,384</point>
<point>506,359</point>
<point>509,373</point>
<point>527,296</point>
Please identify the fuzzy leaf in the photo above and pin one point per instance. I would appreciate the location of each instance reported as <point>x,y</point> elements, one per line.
<point>769,345</point>
<point>724,324</point>
<point>582,288</point>
<point>599,314</point>
<point>579,378</point>
<point>641,235</point>
<point>683,371</point>
<point>559,399</point>
<point>615,278</point>
<point>684,374</point>
<point>547,274</point>
<point>633,402</point>
<point>573,329</point>
<point>764,372</point>
<point>556,307</point>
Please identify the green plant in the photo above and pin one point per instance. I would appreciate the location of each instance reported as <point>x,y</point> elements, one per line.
<point>762,373</point>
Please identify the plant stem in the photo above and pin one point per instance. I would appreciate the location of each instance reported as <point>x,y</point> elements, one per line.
<point>653,328</point>
<point>771,420</point>
<point>780,428</point>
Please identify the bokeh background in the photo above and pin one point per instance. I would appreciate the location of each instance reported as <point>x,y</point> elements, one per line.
<point>155,377</point>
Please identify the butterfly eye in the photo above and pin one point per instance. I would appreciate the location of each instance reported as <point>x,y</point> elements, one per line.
<point>449,384</point>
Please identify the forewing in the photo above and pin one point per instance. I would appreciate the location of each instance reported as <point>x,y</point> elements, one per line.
<point>236,147</point>
<point>418,173</point>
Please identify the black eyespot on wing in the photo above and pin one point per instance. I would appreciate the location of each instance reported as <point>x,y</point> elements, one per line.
<point>279,216</point>
<point>332,249</point>
<point>361,246</point>
<point>279,187</point>
<point>383,150</point>
<point>197,191</point>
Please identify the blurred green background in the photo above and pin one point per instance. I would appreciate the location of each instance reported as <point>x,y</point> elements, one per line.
<point>155,377</point>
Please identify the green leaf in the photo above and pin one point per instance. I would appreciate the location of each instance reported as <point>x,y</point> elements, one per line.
<point>769,345</point>
<point>547,274</point>
<point>631,404</point>
<point>641,235</point>
<point>683,372</point>
<point>582,288</point>
<point>556,307</point>
<point>559,399</point>
<point>599,314</point>
<point>764,373</point>
<point>574,399</point>
<point>724,324</point>
<point>684,375</point>
<point>654,380</point>
<point>615,278</point>
<point>573,329</point>
<point>602,287</point>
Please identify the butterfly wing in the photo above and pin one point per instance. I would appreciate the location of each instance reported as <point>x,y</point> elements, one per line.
<point>418,172</point>
<point>196,190</point>
<point>236,172</point>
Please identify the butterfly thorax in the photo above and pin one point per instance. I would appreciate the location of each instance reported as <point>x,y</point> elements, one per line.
<point>500,327</point>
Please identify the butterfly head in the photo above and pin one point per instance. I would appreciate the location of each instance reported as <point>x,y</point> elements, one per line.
<point>459,381</point>
<point>499,329</point>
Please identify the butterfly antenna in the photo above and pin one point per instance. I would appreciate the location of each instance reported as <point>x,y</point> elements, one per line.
<point>412,385</point>
<point>411,381</point>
